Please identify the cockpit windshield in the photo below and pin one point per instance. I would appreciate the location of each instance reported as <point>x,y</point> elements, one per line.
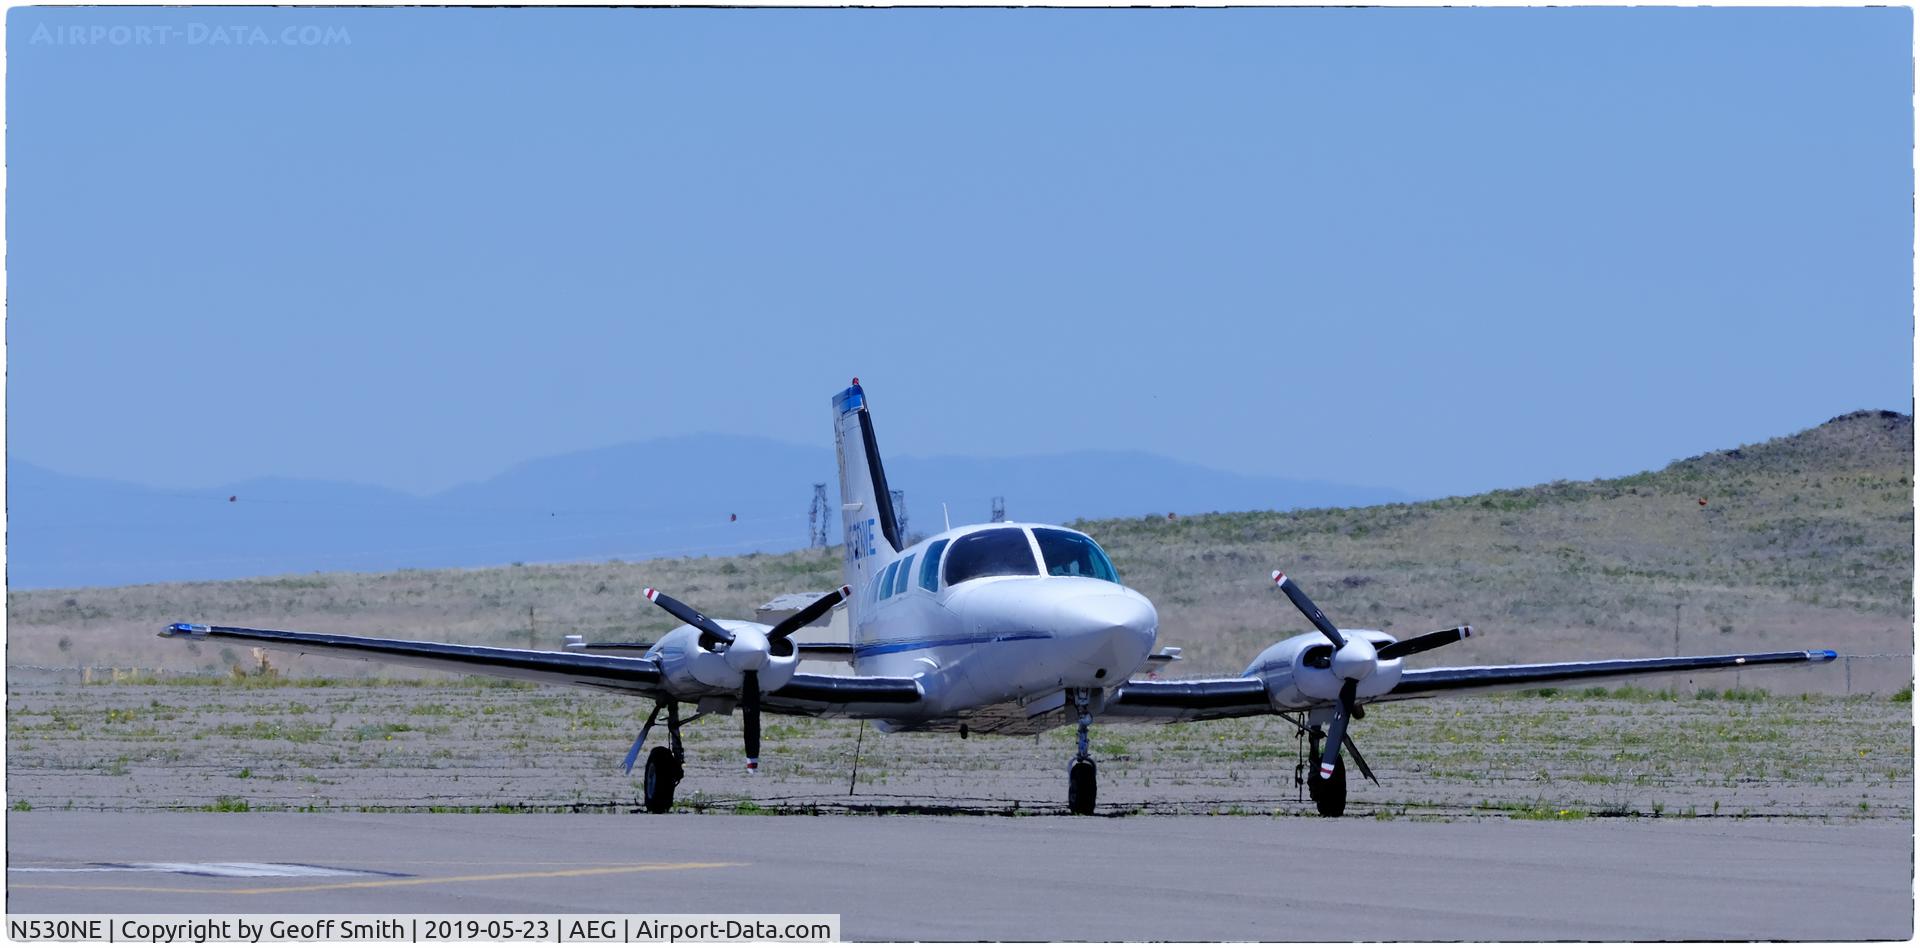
<point>999,552</point>
<point>1072,554</point>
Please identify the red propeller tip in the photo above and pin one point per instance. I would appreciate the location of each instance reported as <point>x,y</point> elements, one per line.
<point>1279,578</point>
<point>846,591</point>
<point>651,593</point>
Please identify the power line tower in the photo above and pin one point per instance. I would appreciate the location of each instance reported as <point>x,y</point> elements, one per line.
<point>817,518</point>
<point>900,513</point>
<point>999,510</point>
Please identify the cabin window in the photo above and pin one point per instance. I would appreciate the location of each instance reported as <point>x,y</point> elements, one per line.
<point>900,578</point>
<point>884,587</point>
<point>998,552</point>
<point>1074,554</point>
<point>930,566</point>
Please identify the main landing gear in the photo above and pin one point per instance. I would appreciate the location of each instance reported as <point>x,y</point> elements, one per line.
<point>1082,779</point>
<point>665,765</point>
<point>1330,793</point>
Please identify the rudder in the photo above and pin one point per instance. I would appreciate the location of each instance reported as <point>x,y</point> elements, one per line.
<point>866,507</point>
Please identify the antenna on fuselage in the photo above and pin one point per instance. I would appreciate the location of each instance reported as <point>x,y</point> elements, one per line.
<point>945,518</point>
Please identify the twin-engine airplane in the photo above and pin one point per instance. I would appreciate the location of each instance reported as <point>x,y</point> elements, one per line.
<point>998,628</point>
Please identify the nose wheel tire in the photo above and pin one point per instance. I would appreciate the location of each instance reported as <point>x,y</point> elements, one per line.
<point>1082,788</point>
<point>663,774</point>
<point>1330,795</point>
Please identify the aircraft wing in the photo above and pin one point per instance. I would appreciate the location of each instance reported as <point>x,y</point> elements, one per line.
<point>809,695</point>
<point>1423,682</point>
<point>833,696</point>
<point>634,675</point>
<point>1197,699</point>
<point>1211,698</point>
<point>809,651</point>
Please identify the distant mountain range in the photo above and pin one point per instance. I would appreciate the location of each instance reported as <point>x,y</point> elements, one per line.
<point>685,496</point>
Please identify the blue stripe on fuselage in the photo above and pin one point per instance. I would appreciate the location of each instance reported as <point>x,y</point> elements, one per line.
<point>885,648</point>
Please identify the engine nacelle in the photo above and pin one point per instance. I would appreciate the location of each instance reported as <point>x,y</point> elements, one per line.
<point>1298,671</point>
<point>691,670</point>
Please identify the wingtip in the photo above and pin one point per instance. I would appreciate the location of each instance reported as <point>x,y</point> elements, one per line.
<point>1823,655</point>
<point>187,629</point>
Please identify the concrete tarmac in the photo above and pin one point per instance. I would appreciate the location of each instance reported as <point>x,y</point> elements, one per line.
<point>914,878</point>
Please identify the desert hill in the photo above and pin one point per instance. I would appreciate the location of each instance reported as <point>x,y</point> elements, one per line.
<point>1802,541</point>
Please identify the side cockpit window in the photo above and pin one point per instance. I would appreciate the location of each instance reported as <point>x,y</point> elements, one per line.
<point>998,552</point>
<point>900,580</point>
<point>1074,554</point>
<point>930,567</point>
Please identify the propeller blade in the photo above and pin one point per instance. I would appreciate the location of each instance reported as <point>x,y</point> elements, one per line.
<point>633,753</point>
<point>805,617</point>
<point>750,717</point>
<point>1337,730</point>
<point>1427,642</point>
<point>1358,761</point>
<point>711,632</point>
<point>1314,615</point>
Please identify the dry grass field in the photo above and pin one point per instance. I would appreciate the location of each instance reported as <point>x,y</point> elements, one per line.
<point>1804,541</point>
<point>482,746</point>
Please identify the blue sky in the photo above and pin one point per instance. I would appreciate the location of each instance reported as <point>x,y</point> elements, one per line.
<point>1436,250</point>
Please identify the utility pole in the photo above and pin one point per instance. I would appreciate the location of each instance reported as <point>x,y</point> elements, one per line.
<point>999,510</point>
<point>531,640</point>
<point>1676,630</point>
<point>817,517</point>
<point>900,513</point>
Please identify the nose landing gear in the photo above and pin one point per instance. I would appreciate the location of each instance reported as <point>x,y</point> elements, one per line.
<point>1082,776</point>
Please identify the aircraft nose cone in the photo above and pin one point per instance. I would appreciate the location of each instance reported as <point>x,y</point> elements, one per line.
<point>749,651</point>
<point>1113,613</point>
<point>1120,628</point>
<point>1357,660</point>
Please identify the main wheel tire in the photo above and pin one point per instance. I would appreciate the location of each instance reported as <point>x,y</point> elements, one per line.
<point>1082,788</point>
<point>663,774</point>
<point>1329,795</point>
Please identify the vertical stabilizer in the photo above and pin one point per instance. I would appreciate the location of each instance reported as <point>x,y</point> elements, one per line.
<point>866,506</point>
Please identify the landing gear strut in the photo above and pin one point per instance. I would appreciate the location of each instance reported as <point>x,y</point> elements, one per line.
<point>1329,793</point>
<point>1082,780</point>
<point>665,766</point>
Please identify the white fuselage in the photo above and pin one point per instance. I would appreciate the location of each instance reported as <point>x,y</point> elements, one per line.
<point>992,639</point>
